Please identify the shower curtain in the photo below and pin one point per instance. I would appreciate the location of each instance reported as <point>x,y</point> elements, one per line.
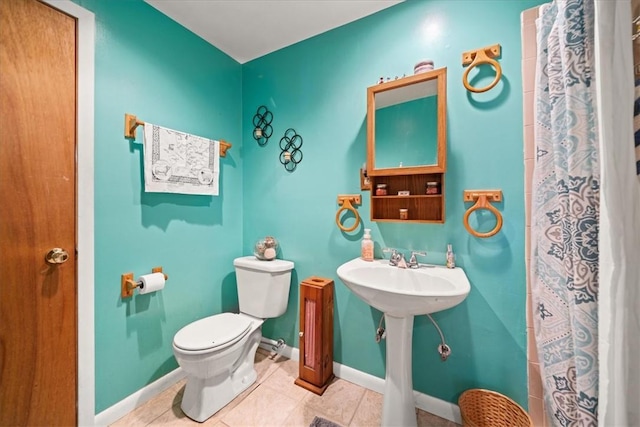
<point>565,213</point>
<point>619,293</point>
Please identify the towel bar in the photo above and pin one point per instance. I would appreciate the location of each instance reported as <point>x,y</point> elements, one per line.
<point>131,122</point>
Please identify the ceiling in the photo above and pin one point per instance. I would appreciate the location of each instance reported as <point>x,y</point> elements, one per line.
<point>248,29</point>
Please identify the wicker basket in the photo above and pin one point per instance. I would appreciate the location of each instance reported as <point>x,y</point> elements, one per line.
<point>485,408</point>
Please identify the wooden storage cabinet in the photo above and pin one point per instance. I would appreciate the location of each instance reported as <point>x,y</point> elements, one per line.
<point>412,176</point>
<point>421,207</point>
<point>316,334</point>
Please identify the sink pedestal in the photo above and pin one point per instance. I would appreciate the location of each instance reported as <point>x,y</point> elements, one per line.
<point>401,293</point>
<point>398,404</point>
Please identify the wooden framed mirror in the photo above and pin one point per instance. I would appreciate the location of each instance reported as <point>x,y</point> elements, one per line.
<point>406,125</point>
<point>407,148</point>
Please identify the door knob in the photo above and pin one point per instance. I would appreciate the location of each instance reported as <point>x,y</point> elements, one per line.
<point>56,256</point>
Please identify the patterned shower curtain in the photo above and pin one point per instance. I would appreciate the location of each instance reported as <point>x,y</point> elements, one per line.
<point>565,213</point>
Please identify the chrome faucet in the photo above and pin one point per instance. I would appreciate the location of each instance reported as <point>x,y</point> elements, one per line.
<point>397,258</point>
<point>400,261</point>
<point>413,261</point>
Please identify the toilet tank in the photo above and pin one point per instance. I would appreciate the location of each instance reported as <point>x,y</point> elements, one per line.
<point>263,286</point>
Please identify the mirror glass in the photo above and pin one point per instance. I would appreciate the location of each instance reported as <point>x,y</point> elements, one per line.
<point>407,134</point>
<point>406,125</point>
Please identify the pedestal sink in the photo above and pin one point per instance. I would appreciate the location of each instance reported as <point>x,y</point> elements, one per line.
<point>402,294</point>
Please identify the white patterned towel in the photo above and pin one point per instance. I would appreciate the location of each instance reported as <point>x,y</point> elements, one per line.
<point>177,162</point>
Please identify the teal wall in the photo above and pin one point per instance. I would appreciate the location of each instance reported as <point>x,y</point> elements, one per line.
<point>318,87</point>
<point>148,65</point>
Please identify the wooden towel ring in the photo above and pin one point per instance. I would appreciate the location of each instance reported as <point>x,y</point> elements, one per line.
<point>484,55</point>
<point>345,200</point>
<point>482,202</point>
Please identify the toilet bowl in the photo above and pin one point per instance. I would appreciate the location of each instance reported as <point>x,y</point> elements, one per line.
<point>218,352</point>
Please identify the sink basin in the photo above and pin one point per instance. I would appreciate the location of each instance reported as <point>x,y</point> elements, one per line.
<point>401,292</point>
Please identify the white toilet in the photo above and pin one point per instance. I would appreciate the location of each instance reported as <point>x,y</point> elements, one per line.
<point>218,352</point>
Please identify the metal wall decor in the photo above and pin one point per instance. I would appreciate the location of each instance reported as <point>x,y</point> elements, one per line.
<point>290,145</point>
<point>262,125</point>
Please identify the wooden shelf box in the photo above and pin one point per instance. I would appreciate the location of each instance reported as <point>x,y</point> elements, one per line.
<point>428,146</point>
<point>422,207</point>
<point>316,334</point>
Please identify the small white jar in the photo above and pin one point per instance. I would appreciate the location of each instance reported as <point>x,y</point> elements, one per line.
<point>423,66</point>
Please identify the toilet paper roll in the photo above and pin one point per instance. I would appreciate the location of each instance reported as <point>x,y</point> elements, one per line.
<point>151,282</point>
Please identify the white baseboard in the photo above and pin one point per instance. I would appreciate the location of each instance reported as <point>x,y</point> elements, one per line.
<point>433,405</point>
<point>425,402</point>
<point>137,399</point>
<point>439,407</point>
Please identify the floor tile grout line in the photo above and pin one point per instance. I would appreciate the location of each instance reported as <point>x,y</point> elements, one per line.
<point>158,417</point>
<point>271,389</point>
<point>263,379</point>
<point>258,384</point>
<point>321,409</point>
<point>357,406</point>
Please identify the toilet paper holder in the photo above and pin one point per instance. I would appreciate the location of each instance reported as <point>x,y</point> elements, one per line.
<point>127,284</point>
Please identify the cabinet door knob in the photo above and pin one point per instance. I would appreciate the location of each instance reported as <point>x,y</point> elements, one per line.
<point>300,334</point>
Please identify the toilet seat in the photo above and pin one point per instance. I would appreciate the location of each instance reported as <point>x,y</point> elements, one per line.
<point>212,333</point>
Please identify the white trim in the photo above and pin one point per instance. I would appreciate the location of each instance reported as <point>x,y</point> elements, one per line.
<point>427,403</point>
<point>85,231</point>
<point>439,407</point>
<point>423,401</point>
<point>139,398</point>
<point>363,379</point>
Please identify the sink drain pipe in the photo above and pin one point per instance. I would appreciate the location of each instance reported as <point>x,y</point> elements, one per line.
<point>443,349</point>
<point>380,332</point>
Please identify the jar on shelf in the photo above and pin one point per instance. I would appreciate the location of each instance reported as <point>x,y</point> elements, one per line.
<point>404,213</point>
<point>432,187</point>
<point>381,189</point>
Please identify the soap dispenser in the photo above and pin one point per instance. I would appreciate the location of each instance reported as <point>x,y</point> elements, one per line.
<point>367,246</point>
<point>451,258</point>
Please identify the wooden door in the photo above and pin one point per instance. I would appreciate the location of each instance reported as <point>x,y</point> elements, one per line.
<point>38,320</point>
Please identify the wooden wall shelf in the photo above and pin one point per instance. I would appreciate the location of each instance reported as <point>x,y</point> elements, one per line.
<point>421,207</point>
<point>409,197</point>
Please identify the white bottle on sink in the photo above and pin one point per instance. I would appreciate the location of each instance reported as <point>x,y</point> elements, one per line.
<point>367,246</point>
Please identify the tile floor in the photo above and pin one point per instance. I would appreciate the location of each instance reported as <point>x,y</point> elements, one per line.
<point>274,400</point>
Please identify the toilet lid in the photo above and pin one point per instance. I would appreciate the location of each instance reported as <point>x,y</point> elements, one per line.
<point>211,332</point>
